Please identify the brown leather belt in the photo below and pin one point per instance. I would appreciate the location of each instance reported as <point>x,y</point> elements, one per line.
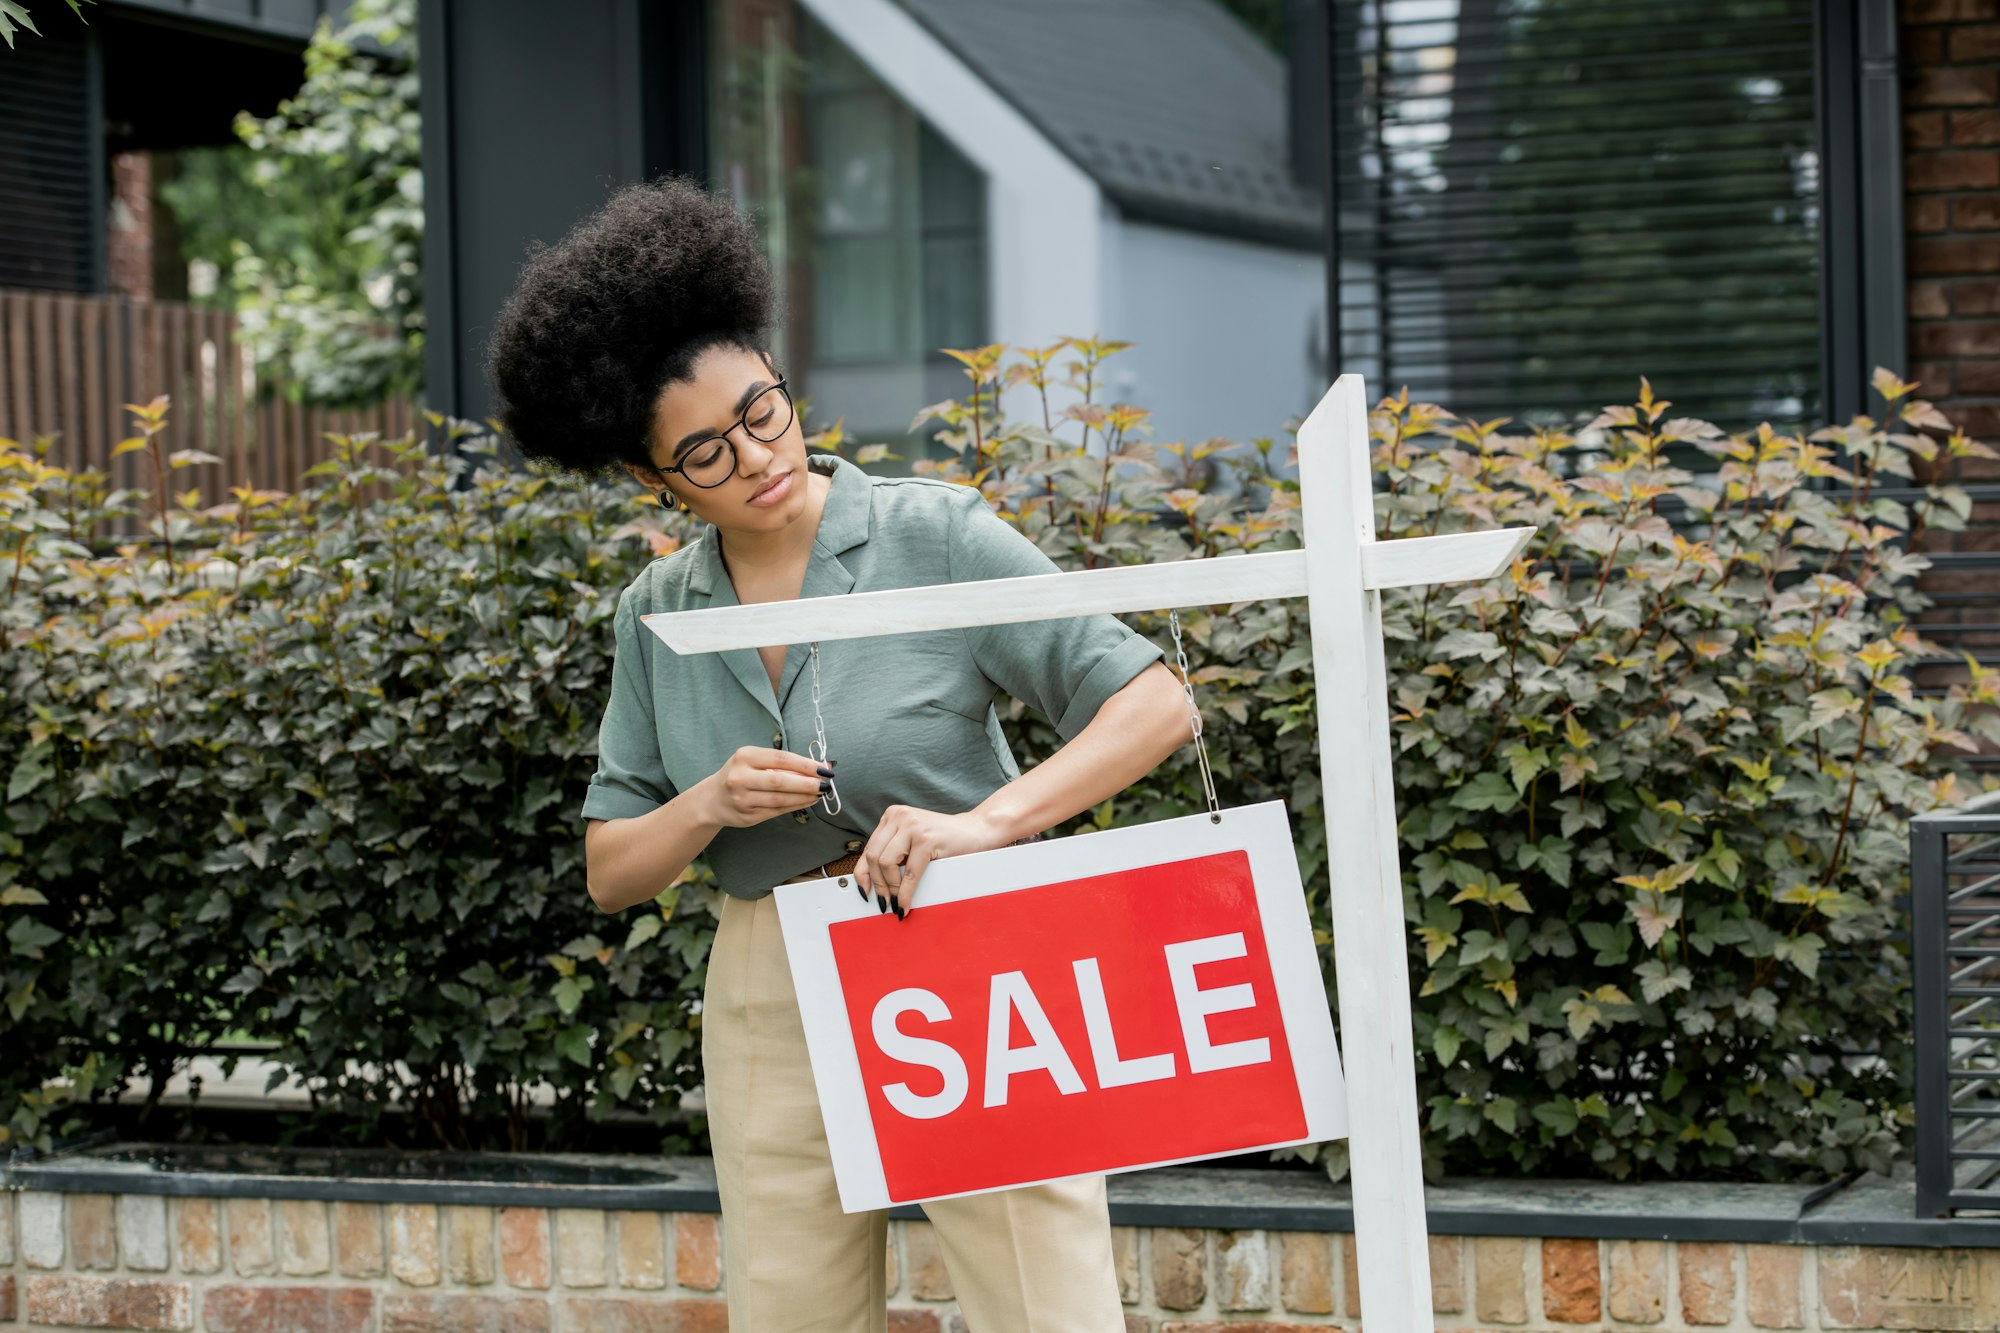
<point>840,866</point>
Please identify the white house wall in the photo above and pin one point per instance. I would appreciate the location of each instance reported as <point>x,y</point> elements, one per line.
<point>1044,266</point>
<point>1227,334</point>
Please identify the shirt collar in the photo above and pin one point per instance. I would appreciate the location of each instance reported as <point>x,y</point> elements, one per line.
<point>843,522</point>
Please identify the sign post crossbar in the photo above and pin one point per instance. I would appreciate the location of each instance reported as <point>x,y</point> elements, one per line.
<point>1340,571</point>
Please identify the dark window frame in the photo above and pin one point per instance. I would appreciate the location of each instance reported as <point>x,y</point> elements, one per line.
<point>1864,299</point>
<point>1864,319</point>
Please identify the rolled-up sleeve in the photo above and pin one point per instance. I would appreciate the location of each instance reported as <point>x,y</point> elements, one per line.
<point>630,779</point>
<point>1065,668</point>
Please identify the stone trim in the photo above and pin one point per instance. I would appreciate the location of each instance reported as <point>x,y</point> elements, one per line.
<point>81,1260</point>
<point>1871,1211</point>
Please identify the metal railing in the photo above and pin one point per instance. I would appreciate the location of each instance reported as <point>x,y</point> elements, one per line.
<point>1955,935</point>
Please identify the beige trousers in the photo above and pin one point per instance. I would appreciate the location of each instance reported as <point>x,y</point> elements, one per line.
<point>1031,1260</point>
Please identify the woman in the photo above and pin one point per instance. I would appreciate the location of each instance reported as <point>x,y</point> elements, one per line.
<point>637,341</point>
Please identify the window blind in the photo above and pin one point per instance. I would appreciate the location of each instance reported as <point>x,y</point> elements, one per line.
<point>1538,201</point>
<point>46,228</point>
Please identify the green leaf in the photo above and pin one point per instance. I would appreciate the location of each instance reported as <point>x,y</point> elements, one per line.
<point>645,928</point>
<point>1445,1043</point>
<point>29,936</point>
<point>1657,980</point>
<point>1612,942</point>
<point>1479,945</point>
<point>1803,953</point>
<point>1524,765</point>
<point>573,1044</point>
<point>569,993</point>
<point>1294,657</point>
<point>29,774</point>
<point>1486,791</point>
<point>12,14</point>
<point>1720,864</point>
<point>1470,643</point>
<point>1559,1115</point>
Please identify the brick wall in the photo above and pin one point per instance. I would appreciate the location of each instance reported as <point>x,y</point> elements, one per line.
<point>1951,176</point>
<point>287,1265</point>
<point>1950,56</point>
<point>128,231</point>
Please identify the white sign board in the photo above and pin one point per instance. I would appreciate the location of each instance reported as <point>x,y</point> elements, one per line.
<point>1129,998</point>
<point>1340,571</point>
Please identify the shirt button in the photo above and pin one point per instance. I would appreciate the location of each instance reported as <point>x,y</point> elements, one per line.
<point>802,816</point>
<point>777,738</point>
<point>854,844</point>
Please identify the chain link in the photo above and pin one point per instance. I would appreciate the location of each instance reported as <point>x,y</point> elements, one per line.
<point>817,750</point>
<point>1194,713</point>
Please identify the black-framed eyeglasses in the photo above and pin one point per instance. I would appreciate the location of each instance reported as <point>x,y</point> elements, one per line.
<point>711,460</point>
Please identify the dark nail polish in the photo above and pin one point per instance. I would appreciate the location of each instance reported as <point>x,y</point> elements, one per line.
<point>861,889</point>
<point>824,771</point>
<point>882,904</point>
<point>901,911</point>
<point>825,786</point>
<point>831,762</point>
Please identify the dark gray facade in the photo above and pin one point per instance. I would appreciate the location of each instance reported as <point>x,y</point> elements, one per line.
<point>531,117</point>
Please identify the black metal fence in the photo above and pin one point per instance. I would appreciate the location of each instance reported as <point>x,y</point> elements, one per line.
<point>1955,921</point>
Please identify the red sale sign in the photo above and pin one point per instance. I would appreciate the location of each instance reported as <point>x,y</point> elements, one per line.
<point>1093,1004</point>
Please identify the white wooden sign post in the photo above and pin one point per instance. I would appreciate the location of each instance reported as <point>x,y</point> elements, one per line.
<point>1340,571</point>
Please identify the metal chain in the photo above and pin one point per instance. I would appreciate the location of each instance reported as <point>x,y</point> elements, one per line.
<point>817,750</point>
<point>1194,713</point>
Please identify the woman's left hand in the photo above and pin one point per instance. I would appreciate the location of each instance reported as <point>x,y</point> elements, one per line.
<point>908,839</point>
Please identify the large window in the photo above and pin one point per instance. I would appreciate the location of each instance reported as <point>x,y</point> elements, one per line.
<point>875,224</point>
<point>1540,200</point>
<point>899,254</point>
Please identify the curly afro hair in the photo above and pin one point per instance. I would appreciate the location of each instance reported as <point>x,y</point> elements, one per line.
<point>617,310</point>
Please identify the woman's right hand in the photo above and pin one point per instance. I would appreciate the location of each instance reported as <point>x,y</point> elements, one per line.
<point>757,783</point>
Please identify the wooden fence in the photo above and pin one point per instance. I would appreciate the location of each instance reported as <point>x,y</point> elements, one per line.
<point>69,363</point>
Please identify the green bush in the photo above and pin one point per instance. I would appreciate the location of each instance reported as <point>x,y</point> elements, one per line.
<point>310,767</point>
<point>1651,784</point>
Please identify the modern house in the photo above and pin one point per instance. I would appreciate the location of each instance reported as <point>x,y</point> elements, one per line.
<point>1117,168</point>
<point>927,175</point>
<point>1512,209</point>
<point>1528,202</point>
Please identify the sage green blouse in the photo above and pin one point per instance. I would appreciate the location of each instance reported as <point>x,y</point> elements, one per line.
<point>910,717</point>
